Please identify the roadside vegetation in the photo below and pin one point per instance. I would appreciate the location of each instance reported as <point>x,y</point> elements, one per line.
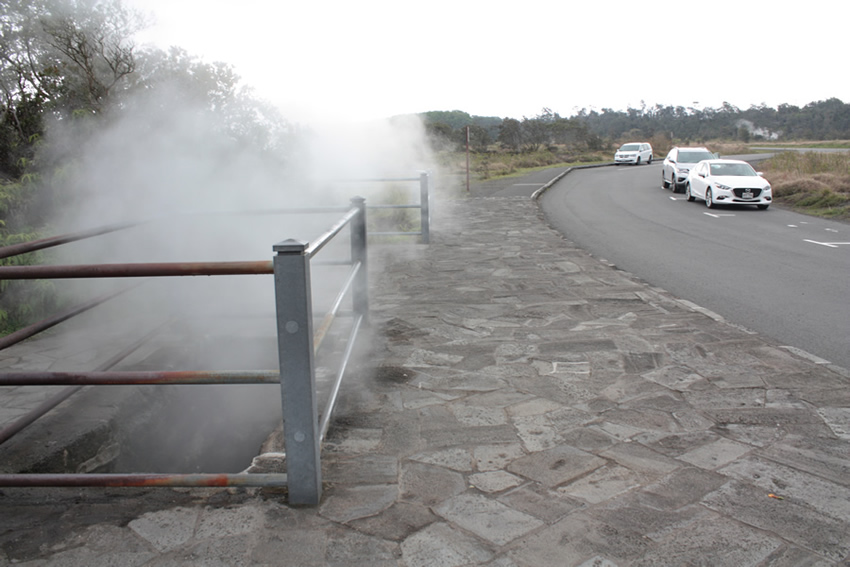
<point>814,183</point>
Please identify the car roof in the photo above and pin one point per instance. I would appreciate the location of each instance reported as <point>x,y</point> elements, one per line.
<point>690,148</point>
<point>723,160</point>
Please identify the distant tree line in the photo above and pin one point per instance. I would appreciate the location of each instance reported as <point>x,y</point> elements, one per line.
<point>822,120</point>
<point>453,129</point>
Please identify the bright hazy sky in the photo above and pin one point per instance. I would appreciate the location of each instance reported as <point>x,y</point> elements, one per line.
<point>364,59</point>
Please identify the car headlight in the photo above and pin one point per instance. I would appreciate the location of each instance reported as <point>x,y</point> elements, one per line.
<point>682,170</point>
<point>767,189</point>
<point>724,187</point>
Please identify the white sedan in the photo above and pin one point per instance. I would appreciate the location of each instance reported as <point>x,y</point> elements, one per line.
<point>728,182</point>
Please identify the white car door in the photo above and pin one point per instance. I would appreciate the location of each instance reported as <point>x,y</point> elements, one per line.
<point>699,180</point>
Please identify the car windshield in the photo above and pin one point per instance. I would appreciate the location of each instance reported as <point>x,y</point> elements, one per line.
<point>693,157</point>
<point>739,169</point>
<point>629,148</point>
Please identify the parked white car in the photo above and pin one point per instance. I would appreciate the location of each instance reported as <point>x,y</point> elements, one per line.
<point>634,152</point>
<point>677,164</point>
<point>728,182</point>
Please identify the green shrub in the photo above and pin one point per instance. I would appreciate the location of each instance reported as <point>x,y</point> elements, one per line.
<point>22,302</point>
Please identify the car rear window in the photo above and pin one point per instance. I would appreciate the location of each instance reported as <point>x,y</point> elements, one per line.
<point>693,157</point>
<point>630,148</point>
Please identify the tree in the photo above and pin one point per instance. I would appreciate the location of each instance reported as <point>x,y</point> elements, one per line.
<point>511,134</point>
<point>535,133</point>
<point>69,54</point>
<point>441,136</point>
<point>58,57</point>
<point>455,119</point>
<point>92,41</point>
<point>479,138</point>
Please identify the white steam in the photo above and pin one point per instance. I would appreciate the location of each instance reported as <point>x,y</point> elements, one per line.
<point>174,169</point>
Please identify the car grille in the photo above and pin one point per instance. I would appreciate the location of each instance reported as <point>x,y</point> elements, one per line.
<point>740,192</point>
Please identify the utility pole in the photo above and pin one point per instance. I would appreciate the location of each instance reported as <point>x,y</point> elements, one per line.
<point>467,159</point>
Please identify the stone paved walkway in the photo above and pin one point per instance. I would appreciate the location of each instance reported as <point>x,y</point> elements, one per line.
<point>524,405</point>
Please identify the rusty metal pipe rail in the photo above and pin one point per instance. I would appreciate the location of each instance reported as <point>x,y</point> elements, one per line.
<point>161,269</point>
<point>143,480</point>
<point>34,245</point>
<point>31,416</point>
<point>43,243</point>
<point>374,180</point>
<point>138,377</point>
<point>44,324</point>
<point>266,212</point>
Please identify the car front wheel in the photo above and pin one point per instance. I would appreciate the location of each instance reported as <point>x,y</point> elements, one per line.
<point>763,207</point>
<point>649,162</point>
<point>664,184</point>
<point>709,201</point>
<point>688,192</point>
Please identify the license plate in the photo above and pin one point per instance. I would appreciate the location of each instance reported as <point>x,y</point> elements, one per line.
<point>747,195</point>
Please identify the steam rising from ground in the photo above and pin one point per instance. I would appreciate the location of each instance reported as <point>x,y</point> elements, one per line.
<point>173,169</point>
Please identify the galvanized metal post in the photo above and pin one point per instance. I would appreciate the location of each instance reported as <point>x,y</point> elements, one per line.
<point>297,372</point>
<point>360,290</point>
<point>425,207</point>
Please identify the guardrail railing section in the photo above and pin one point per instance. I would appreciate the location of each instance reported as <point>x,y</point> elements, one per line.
<point>424,205</point>
<point>298,342</point>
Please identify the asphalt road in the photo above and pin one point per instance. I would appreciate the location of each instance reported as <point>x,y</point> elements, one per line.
<point>779,273</point>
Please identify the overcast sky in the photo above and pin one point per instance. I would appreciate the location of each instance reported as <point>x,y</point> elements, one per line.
<point>365,59</point>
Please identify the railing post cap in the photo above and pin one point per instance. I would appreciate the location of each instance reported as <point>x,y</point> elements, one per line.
<point>290,245</point>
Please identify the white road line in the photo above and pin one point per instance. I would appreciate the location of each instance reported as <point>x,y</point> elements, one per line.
<point>831,230</point>
<point>717,216</point>
<point>792,226</point>
<point>828,244</point>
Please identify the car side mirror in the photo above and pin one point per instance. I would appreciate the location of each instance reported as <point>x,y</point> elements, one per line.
<point>701,174</point>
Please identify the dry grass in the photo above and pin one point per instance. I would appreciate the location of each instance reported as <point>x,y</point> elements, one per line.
<point>498,163</point>
<point>730,148</point>
<point>811,182</point>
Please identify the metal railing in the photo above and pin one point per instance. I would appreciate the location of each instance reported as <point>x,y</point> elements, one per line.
<point>424,205</point>
<point>304,426</point>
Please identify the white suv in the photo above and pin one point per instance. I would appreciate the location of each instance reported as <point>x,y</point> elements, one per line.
<point>634,152</point>
<point>677,164</point>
